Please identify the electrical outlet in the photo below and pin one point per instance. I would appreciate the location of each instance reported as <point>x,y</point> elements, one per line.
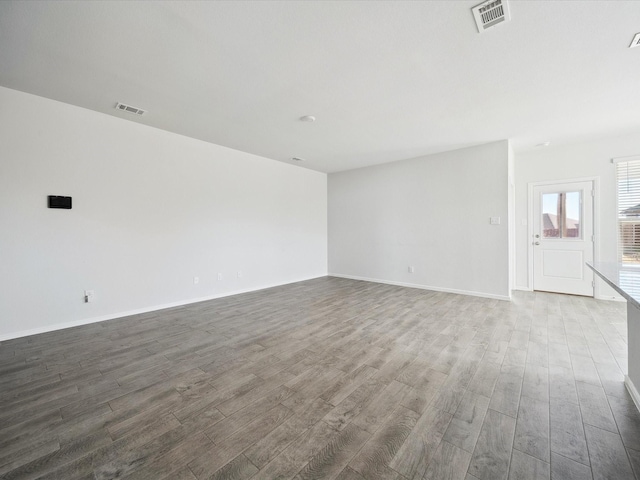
<point>494,220</point>
<point>411,269</point>
<point>196,280</point>
<point>89,296</point>
<point>239,274</point>
<point>219,276</point>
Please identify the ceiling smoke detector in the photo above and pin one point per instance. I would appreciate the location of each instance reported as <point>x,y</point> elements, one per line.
<point>636,41</point>
<point>491,13</point>
<point>130,109</point>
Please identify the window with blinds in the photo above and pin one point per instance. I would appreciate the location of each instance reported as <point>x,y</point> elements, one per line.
<point>628,183</point>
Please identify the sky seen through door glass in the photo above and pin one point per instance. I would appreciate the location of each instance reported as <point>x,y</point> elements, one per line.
<point>550,204</point>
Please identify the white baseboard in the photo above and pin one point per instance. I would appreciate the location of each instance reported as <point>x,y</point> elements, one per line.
<point>137,311</point>
<point>610,298</point>
<point>632,391</point>
<point>424,287</point>
<point>523,289</point>
<point>597,297</point>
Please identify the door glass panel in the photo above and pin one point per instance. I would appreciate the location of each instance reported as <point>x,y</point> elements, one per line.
<point>561,213</point>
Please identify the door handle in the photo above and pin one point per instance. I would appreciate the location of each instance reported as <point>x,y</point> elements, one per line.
<point>537,236</point>
<point>536,243</point>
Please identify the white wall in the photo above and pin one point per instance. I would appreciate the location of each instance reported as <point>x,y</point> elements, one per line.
<point>151,210</point>
<point>430,212</point>
<point>586,159</point>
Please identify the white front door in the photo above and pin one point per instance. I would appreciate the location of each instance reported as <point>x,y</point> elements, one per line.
<point>563,238</point>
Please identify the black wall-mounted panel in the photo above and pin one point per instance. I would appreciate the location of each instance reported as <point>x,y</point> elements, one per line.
<point>56,201</point>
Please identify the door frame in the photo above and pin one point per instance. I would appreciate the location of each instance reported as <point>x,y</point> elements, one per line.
<point>596,223</point>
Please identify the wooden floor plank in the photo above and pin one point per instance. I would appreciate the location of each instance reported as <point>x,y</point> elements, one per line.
<point>335,455</point>
<point>329,378</point>
<point>565,468</point>
<point>492,452</point>
<point>532,428</point>
<point>608,457</point>
<point>526,467</point>
<point>416,452</point>
<point>448,463</point>
<point>267,448</point>
<point>464,429</point>
<point>373,460</point>
<point>299,452</point>
<point>227,449</point>
<point>595,407</point>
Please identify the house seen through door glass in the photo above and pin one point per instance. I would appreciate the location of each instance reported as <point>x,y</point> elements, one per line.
<point>561,215</point>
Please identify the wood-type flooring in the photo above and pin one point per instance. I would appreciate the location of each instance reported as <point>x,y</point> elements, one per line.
<point>327,378</point>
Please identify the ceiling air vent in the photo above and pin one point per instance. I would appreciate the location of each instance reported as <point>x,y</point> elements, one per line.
<point>130,109</point>
<point>491,13</point>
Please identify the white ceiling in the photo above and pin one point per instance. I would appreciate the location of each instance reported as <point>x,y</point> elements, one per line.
<point>386,80</point>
